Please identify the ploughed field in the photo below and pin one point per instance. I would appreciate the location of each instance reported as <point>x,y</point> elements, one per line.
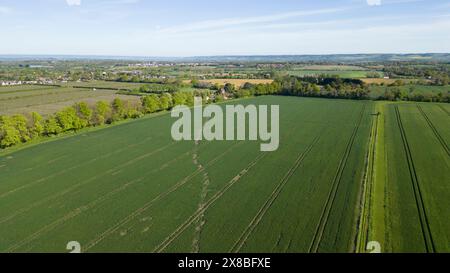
<point>131,188</point>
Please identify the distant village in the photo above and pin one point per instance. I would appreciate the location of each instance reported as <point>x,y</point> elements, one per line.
<point>40,81</point>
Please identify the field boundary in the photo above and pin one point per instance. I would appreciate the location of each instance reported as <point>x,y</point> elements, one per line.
<point>315,243</point>
<point>426,231</point>
<point>435,131</point>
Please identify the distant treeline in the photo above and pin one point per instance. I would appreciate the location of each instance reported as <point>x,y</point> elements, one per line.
<point>136,79</point>
<point>436,74</point>
<point>333,87</point>
<point>158,88</point>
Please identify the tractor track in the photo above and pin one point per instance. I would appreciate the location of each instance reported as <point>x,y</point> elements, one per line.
<point>276,192</point>
<point>168,240</point>
<point>88,206</point>
<point>149,204</point>
<point>424,222</point>
<point>435,131</point>
<point>46,178</point>
<point>78,185</point>
<point>443,109</point>
<point>315,243</point>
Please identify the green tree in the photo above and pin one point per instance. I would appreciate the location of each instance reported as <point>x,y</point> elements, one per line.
<point>52,127</point>
<point>229,88</point>
<point>102,113</point>
<point>36,127</point>
<point>118,107</point>
<point>69,120</point>
<point>84,113</point>
<point>20,122</point>
<point>179,98</point>
<point>9,135</point>
<point>134,113</point>
<point>151,103</point>
<point>165,101</point>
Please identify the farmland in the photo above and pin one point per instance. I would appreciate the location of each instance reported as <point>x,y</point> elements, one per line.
<point>414,193</point>
<point>122,197</point>
<point>237,82</point>
<point>360,160</point>
<point>141,192</point>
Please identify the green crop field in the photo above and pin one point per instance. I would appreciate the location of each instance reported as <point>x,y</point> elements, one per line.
<point>411,179</point>
<point>342,176</point>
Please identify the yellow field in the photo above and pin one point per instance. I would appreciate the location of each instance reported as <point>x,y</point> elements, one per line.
<point>386,81</point>
<point>238,82</point>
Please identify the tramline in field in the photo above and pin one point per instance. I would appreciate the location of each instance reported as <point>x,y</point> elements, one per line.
<point>142,191</point>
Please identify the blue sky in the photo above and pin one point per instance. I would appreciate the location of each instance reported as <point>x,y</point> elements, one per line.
<point>232,27</point>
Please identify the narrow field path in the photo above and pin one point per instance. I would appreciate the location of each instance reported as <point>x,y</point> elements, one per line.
<point>203,194</point>
<point>367,190</point>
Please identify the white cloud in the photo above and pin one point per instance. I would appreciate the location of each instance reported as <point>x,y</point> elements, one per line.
<point>374,2</point>
<point>5,10</point>
<point>228,22</point>
<point>73,2</point>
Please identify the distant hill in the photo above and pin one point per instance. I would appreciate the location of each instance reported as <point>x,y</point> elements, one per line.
<point>341,58</point>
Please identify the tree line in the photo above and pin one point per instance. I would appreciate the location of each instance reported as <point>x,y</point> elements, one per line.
<point>20,128</point>
<point>436,74</point>
<point>307,87</point>
<point>333,87</point>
